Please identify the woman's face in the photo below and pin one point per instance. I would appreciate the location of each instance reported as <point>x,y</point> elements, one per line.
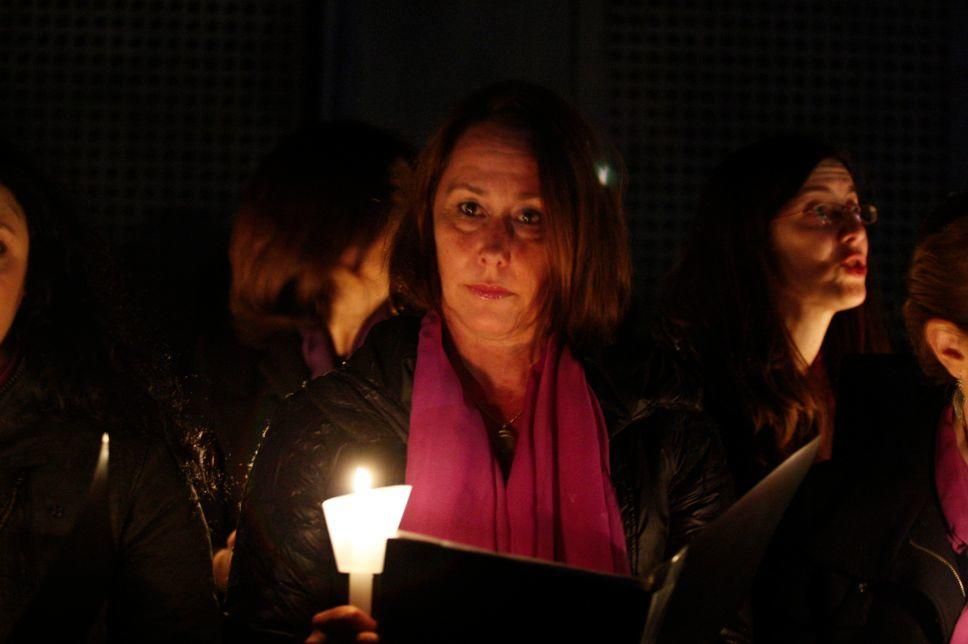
<point>14,244</point>
<point>822,259</point>
<point>489,231</point>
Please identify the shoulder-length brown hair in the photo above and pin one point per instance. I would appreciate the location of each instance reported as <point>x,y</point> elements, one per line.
<point>719,300</point>
<point>321,191</point>
<point>938,280</point>
<point>589,283</point>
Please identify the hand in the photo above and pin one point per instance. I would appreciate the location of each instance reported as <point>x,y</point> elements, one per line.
<point>343,624</point>
<point>222,563</point>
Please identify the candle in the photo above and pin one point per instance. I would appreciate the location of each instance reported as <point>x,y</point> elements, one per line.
<point>359,525</point>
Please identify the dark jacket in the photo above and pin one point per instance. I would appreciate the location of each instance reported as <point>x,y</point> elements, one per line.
<point>670,477</point>
<point>158,584</point>
<point>862,555</point>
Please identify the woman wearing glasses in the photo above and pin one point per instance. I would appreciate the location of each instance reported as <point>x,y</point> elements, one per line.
<point>770,294</point>
<point>874,550</point>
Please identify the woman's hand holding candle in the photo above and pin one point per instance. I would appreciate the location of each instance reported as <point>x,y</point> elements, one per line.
<point>343,624</point>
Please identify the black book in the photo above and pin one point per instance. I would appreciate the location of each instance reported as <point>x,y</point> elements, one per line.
<point>437,591</point>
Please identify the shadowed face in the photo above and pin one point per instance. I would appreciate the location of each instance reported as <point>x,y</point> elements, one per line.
<point>489,232</point>
<point>820,247</point>
<point>14,244</point>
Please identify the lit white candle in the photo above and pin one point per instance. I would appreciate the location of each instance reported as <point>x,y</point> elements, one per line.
<point>359,525</point>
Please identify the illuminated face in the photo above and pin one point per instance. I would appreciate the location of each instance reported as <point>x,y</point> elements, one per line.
<point>14,244</point>
<point>489,231</point>
<point>822,258</point>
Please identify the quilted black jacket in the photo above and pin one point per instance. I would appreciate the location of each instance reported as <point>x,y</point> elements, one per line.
<point>667,463</point>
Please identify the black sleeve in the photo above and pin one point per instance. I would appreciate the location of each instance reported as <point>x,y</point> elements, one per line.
<point>165,591</point>
<point>701,487</point>
<point>673,479</point>
<point>283,570</point>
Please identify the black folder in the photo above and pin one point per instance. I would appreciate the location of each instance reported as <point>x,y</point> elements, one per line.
<point>722,560</point>
<point>435,591</point>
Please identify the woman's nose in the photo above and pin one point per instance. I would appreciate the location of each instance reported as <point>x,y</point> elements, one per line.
<point>852,229</point>
<point>496,242</point>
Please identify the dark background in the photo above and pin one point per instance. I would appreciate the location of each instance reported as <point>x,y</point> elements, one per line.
<point>153,112</point>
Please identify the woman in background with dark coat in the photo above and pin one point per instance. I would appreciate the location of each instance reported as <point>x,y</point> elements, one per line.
<point>769,296</point>
<point>73,366</point>
<point>873,549</point>
<point>308,281</point>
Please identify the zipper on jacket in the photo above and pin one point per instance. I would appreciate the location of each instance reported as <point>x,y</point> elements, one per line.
<point>5,387</point>
<point>944,561</point>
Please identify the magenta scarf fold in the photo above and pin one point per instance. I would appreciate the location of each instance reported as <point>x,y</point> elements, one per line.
<point>951,481</point>
<point>558,503</point>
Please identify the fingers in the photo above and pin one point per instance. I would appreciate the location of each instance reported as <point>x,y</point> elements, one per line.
<point>230,542</point>
<point>343,624</point>
<point>317,637</point>
<point>347,616</point>
<point>221,565</point>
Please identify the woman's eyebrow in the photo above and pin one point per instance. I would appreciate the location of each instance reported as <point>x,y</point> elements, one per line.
<point>5,216</point>
<point>463,185</point>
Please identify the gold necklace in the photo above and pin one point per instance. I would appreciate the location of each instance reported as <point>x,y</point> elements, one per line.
<point>497,421</point>
<point>507,435</point>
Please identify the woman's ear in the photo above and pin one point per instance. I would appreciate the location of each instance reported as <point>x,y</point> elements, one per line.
<point>949,345</point>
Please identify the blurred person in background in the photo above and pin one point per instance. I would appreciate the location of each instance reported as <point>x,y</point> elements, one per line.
<point>308,280</point>
<point>75,364</point>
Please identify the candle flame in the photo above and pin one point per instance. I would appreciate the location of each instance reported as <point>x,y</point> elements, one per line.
<point>362,480</point>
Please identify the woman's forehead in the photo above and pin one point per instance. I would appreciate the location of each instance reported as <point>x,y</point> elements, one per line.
<point>11,213</point>
<point>830,174</point>
<point>832,170</point>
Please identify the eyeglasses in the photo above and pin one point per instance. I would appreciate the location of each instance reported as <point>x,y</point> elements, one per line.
<point>832,214</point>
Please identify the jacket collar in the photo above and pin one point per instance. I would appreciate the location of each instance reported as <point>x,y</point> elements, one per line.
<point>383,368</point>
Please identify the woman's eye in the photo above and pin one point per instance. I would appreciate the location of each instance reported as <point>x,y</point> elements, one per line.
<point>469,208</point>
<point>531,217</point>
<point>820,213</point>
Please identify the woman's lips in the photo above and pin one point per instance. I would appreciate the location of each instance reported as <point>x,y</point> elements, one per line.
<point>856,265</point>
<point>489,291</point>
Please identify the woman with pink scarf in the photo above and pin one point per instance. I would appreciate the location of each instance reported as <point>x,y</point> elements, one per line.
<point>499,402</point>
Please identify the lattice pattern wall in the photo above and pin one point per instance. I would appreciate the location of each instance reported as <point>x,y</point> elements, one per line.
<point>152,111</point>
<point>690,80</point>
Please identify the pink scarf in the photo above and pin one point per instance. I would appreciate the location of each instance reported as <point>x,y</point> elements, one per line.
<point>558,503</point>
<point>951,480</point>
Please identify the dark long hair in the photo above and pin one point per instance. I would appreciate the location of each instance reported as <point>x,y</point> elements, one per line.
<point>87,353</point>
<point>581,183</point>
<point>718,306</point>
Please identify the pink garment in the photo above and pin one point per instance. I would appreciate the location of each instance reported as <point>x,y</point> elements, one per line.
<point>317,346</point>
<point>558,503</point>
<point>951,479</point>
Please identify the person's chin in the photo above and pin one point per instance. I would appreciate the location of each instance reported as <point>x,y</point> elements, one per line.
<point>851,296</point>
<point>490,319</point>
